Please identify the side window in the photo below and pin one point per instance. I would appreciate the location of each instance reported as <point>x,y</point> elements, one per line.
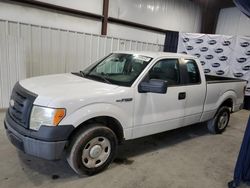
<point>193,72</point>
<point>166,69</point>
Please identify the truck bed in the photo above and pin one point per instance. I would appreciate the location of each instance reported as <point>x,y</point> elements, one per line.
<point>219,79</point>
<point>219,87</point>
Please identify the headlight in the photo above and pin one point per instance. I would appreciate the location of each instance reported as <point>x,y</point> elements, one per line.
<point>45,116</point>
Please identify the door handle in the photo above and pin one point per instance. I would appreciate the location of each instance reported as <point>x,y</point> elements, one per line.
<point>182,95</point>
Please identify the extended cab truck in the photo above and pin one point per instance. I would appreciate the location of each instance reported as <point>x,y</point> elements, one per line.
<point>126,95</point>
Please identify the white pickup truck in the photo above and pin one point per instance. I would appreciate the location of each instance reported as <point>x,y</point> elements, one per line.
<point>125,95</point>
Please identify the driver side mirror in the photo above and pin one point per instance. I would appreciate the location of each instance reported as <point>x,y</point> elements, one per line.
<point>153,86</point>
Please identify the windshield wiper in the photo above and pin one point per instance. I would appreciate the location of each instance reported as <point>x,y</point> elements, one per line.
<point>82,74</point>
<point>99,77</point>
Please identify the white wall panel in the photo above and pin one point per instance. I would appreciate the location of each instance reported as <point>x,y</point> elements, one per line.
<point>47,18</point>
<point>232,22</point>
<point>12,62</point>
<point>31,50</point>
<point>178,15</point>
<point>93,6</point>
<point>131,33</point>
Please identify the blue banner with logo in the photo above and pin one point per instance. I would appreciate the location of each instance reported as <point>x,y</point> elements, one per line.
<point>240,64</point>
<point>220,55</point>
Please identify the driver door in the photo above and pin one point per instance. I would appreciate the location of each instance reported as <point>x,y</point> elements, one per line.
<point>155,112</point>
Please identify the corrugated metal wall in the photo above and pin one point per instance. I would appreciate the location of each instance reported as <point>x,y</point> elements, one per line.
<point>30,50</point>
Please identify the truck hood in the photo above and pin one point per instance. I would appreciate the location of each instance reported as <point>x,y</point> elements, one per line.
<point>56,90</point>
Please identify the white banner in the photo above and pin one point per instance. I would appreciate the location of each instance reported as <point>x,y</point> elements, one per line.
<point>220,55</point>
<point>240,61</point>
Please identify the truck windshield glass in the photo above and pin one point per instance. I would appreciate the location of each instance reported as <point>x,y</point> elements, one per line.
<point>120,69</point>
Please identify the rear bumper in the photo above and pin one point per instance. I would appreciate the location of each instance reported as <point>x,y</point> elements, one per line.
<point>47,143</point>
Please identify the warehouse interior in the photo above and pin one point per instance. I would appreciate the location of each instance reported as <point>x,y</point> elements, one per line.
<point>42,37</point>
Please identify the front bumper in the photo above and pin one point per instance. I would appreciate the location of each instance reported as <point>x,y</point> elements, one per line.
<point>47,144</point>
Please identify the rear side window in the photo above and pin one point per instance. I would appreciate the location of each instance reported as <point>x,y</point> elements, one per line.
<point>192,72</point>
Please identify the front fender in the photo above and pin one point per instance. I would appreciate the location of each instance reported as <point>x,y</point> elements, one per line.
<point>100,109</point>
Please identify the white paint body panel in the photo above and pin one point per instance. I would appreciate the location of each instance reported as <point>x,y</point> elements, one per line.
<point>147,113</point>
<point>157,112</point>
<point>195,97</point>
<point>216,96</point>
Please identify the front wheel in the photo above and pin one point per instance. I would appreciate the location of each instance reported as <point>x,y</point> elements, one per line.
<point>92,149</point>
<point>219,123</point>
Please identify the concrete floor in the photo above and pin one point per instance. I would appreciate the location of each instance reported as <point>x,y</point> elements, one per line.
<point>185,158</point>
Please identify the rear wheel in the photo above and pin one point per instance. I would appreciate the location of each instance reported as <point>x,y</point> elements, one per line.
<point>219,123</point>
<point>92,149</point>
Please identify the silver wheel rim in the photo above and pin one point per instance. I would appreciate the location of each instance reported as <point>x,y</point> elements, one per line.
<point>223,119</point>
<point>96,152</point>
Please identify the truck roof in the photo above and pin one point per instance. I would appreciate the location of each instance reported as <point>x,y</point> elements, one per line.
<point>157,54</point>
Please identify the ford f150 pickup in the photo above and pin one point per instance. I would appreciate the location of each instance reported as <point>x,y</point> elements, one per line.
<point>125,95</point>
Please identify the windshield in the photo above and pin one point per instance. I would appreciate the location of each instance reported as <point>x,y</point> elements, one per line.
<point>120,69</point>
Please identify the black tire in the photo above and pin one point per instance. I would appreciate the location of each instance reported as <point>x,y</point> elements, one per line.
<point>219,123</point>
<point>84,150</point>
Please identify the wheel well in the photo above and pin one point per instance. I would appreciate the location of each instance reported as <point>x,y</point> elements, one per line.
<point>228,103</point>
<point>107,121</point>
